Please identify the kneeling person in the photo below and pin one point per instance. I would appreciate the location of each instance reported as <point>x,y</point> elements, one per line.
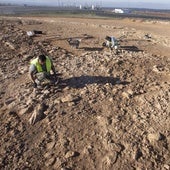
<point>39,70</point>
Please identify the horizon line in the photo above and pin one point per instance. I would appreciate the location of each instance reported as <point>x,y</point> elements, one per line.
<point>132,6</point>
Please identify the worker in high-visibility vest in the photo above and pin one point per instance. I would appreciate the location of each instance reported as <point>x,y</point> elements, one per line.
<point>40,69</point>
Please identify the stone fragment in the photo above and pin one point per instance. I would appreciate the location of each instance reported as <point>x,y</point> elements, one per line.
<point>48,155</point>
<point>125,95</point>
<point>50,162</point>
<point>10,45</point>
<point>152,137</point>
<point>70,154</point>
<point>71,104</point>
<point>51,145</point>
<point>57,101</point>
<point>167,167</point>
<point>114,147</point>
<point>67,98</point>
<point>46,92</point>
<point>65,168</point>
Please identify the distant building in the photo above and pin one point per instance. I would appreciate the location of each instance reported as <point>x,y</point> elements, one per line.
<point>92,7</point>
<point>80,7</point>
<point>120,11</point>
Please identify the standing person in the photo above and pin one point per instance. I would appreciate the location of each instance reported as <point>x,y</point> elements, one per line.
<point>40,70</point>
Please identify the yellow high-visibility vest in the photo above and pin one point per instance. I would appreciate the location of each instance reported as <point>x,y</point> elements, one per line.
<point>39,67</point>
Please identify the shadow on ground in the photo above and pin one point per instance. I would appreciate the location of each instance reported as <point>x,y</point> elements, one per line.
<point>82,81</point>
<point>92,48</point>
<point>130,48</point>
<point>84,37</point>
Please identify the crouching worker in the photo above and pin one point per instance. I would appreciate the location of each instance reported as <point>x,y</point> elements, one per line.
<point>40,71</point>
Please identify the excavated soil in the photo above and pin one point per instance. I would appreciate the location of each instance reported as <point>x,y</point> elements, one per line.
<point>108,112</point>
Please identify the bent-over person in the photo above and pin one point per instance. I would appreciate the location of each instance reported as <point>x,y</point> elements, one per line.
<point>40,71</point>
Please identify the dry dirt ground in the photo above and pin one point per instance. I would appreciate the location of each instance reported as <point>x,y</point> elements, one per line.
<point>108,112</point>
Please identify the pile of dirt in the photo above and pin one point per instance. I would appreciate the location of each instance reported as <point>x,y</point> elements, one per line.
<point>107,112</point>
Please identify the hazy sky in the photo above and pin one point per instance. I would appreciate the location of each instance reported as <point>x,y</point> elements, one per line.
<point>162,4</point>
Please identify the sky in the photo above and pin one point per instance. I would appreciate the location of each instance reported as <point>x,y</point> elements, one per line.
<point>154,4</point>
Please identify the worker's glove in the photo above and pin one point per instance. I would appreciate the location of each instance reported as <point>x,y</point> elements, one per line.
<point>35,85</point>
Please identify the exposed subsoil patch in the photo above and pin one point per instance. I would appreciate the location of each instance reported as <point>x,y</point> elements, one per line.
<point>107,112</point>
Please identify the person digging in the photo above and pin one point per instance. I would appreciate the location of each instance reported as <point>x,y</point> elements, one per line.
<point>40,71</point>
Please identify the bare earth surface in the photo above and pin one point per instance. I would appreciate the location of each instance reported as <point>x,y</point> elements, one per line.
<point>108,112</point>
